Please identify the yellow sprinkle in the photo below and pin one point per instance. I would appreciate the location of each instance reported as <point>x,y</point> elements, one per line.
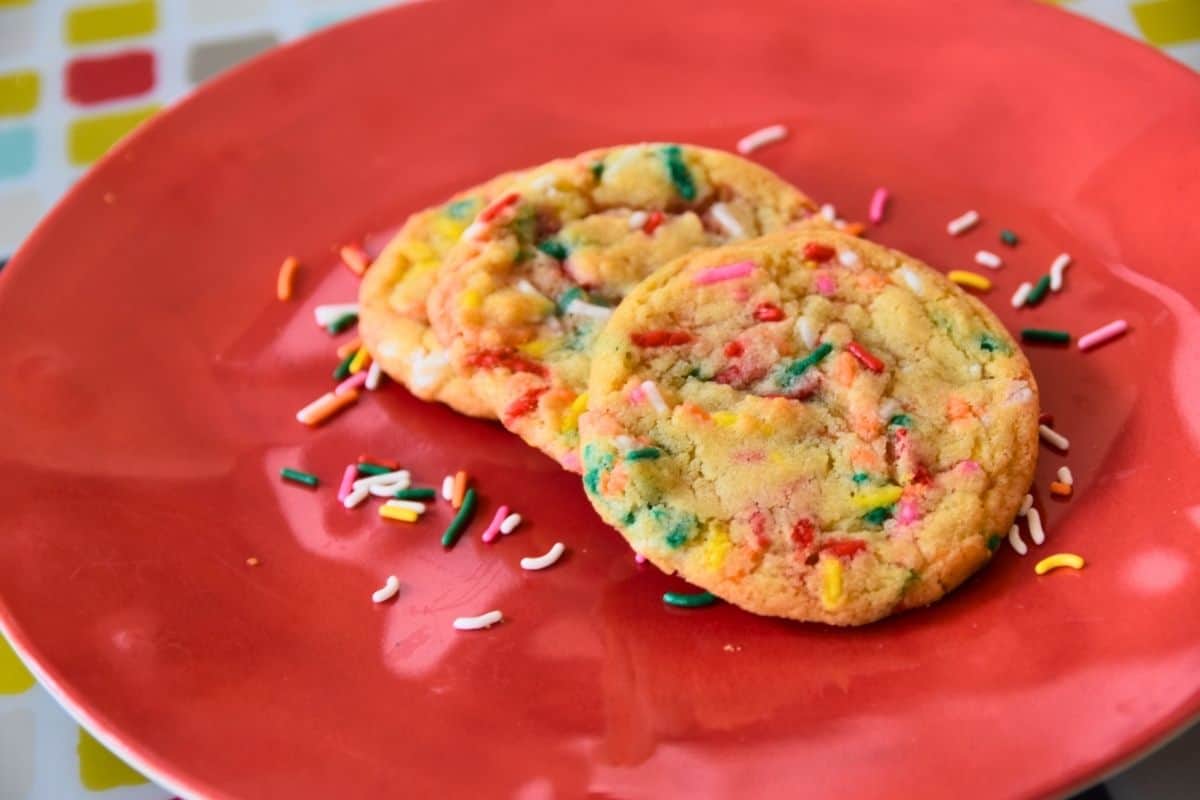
<point>419,252</point>
<point>448,230</point>
<point>874,498</point>
<point>831,583</point>
<point>571,417</point>
<point>972,280</point>
<point>398,514</point>
<point>716,545</point>
<point>537,348</point>
<point>359,361</point>
<point>471,299</point>
<point>1058,560</point>
<point>724,418</point>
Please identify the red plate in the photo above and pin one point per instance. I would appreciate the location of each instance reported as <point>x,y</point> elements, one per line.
<point>150,378</point>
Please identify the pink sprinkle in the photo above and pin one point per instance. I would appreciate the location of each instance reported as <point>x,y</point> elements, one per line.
<point>493,529</point>
<point>636,395</point>
<point>348,478</point>
<point>571,462</point>
<point>741,294</point>
<point>355,381</point>
<point>639,558</point>
<point>826,285</point>
<point>968,466</point>
<point>909,512</point>
<point>1103,334</point>
<point>728,272</point>
<point>878,203</point>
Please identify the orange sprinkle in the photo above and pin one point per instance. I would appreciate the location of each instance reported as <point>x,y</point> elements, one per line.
<point>354,257</point>
<point>252,562</point>
<point>694,410</point>
<point>382,462</point>
<point>1060,489</point>
<point>864,458</point>
<point>614,482</point>
<point>326,406</point>
<point>957,408</point>
<point>349,347</point>
<point>460,489</point>
<point>844,369</point>
<point>286,279</point>
<point>871,281</point>
<point>854,228</point>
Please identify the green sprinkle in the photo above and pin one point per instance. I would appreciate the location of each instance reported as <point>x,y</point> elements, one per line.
<point>597,169</point>
<point>341,323</point>
<point>877,516</point>
<point>629,518</point>
<point>367,468</point>
<point>900,421</point>
<point>685,600</point>
<point>416,493</point>
<point>913,577</point>
<point>296,476</point>
<point>991,344</point>
<point>680,175</point>
<point>461,209</point>
<point>643,454</point>
<point>1039,291</point>
<point>554,249</point>
<point>859,477</point>
<point>993,541</point>
<point>342,371</point>
<point>677,538</point>
<point>797,368</point>
<point>1009,238</point>
<point>569,296</point>
<point>1044,335</point>
<point>461,520</point>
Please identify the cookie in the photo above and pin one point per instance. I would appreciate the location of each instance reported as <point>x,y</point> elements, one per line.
<point>392,298</point>
<point>810,426</point>
<point>524,295</point>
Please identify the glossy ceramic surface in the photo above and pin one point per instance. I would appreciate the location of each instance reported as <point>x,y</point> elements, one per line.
<point>150,379</point>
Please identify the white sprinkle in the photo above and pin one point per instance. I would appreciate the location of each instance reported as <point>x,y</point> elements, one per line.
<point>912,279</point>
<point>543,182</point>
<point>478,623</point>
<point>986,258</point>
<point>528,289</point>
<point>888,409</point>
<point>408,505</point>
<point>474,230</point>
<point>427,369</point>
<point>963,224</point>
<point>1036,532</point>
<point>761,138</point>
<point>1056,271</point>
<point>655,397</point>
<point>1019,392</point>
<point>510,524</point>
<point>848,258</point>
<point>807,332</point>
<point>390,589</point>
<point>384,478</point>
<point>374,375</point>
<point>976,370</point>
<point>829,212</point>
<point>1065,476</point>
<point>1026,504</point>
<point>637,219</point>
<point>1014,538</point>
<point>356,496</point>
<point>328,313</point>
<point>1054,437</point>
<point>624,442</point>
<point>1020,295</point>
<point>447,488</point>
<point>727,220</point>
<point>388,489</point>
<point>581,309</point>
<point>541,562</point>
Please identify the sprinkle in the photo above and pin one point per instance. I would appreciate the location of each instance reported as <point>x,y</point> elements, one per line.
<point>252,562</point>
<point>374,465</point>
<point>654,396</point>
<point>388,489</point>
<point>1057,560</point>
<point>554,248</point>
<point>1021,294</point>
<point>383,479</point>
<point>865,358</point>
<point>286,279</point>
<point>808,334</point>
<point>510,524</point>
<point>828,212</point>
<point>547,560</point>
<point>347,485</point>
<point>643,454</point>
<point>296,476</point>
<point>374,375</point>
<point>963,224</point>
<point>1103,334</point>
<point>416,493</point>
<point>342,370</point>
<point>460,521</point>
<point>349,348</point>
<point>797,368</point>
<point>1046,418</point>
<point>408,505</point>
<point>831,582</point>
<point>478,623</point>
<point>391,588</point>
<point>1026,504</point>
<point>638,558</point>
<point>685,600</point>
<point>826,285</point>
<point>761,138</point>
<point>493,528</point>
<point>912,279</point>
<point>1056,271</point>
<point>354,257</point>
<point>353,382</point>
<point>878,516</point>
<point>678,170</point>
<point>1008,237</point>
<point>815,251</point>
<point>356,496</point>
<point>652,222</point>
<point>1039,291</point>
<point>878,204</point>
<point>326,406</point>
<point>881,496</point>
<point>972,280</point>
<point>1060,489</point>
<point>342,323</point>
<point>397,514</point>
<point>1036,532</point>
<point>1065,476</point>
<point>582,309</point>
<point>724,273</point>
<point>1045,335</point>
<point>637,219</point>
<point>447,488</point>
<point>496,206</point>
<point>986,258</point>
<point>1014,538</point>
<point>460,488</point>
<point>1054,437</point>
<point>727,220</point>
<point>328,313</point>
<point>848,258</point>
<point>767,312</point>
<point>724,418</point>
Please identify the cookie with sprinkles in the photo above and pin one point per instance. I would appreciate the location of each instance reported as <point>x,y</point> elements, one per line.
<point>809,425</point>
<point>541,268</point>
<point>392,297</point>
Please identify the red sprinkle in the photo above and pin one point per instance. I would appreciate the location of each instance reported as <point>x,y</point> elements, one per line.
<point>524,404</point>
<point>653,221</point>
<point>383,462</point>
<point>866,359</point>
<point>661,338</point>
<point>734,349</point>
<point>921,476</point>
<point>499,204</point>
<point>844,548</point>
<point>1046,419</point>
<point>802,534</point>
<point>768,312</point>
<point>507,359</point>
<point>815,251</point>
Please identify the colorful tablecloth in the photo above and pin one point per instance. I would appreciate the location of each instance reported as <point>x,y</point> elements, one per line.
<point>76,76</point>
